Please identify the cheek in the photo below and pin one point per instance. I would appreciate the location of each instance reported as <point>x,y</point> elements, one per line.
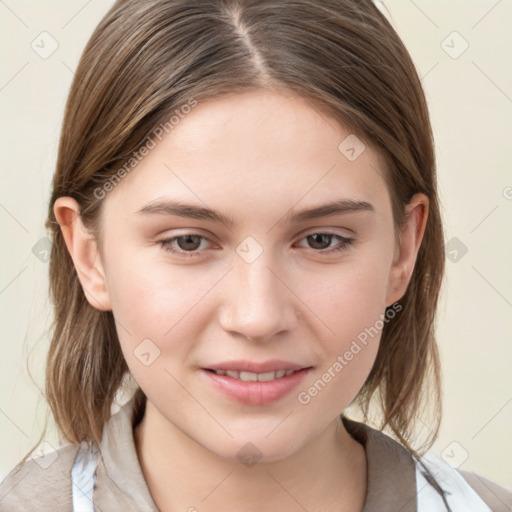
<point>158,302</point>
<point>350,302</point>
<point>348,298</point>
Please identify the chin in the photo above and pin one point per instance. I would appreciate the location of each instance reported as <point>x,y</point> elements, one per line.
<point>250,450</point>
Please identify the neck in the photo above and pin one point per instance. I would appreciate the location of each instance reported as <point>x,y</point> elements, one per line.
<point>327,474</point>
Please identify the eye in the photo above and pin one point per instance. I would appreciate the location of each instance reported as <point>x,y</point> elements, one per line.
<point>191,244</point>
<point>321,241</point>
<point>188,244</point>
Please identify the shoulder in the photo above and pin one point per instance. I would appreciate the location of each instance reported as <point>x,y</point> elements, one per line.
<point>458,489</point>
<point>496,497</point>
<point>40,483</point>
<point>396,481</point>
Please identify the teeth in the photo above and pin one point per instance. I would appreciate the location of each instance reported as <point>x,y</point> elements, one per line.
<point>253,377</point>
<point>265,377</point>
<point>250,377</point>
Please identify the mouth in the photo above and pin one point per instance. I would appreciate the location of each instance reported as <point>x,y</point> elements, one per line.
<point>254,377</point>
<point>255,383</point>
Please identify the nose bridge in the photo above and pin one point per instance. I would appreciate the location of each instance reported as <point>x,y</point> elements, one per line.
<point>258,304</point>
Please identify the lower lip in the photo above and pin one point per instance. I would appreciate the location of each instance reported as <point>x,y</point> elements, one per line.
<point>256,393</point>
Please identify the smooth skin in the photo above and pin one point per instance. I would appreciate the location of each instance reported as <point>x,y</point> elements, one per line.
<point>256,158</point>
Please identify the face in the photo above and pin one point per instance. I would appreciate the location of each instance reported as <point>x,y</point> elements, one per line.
<point>273,282</point>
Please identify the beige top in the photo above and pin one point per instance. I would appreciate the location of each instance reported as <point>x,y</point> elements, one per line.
<point>44,484</point>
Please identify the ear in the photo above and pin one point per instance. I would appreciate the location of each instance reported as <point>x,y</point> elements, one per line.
<point>411,235</point>
<point>83,250</point>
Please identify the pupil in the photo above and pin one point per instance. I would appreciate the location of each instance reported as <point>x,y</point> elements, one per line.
<point>189,239</point>
<point>316,238</point>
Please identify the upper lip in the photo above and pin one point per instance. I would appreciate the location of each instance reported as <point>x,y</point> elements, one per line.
<point>256,367</point>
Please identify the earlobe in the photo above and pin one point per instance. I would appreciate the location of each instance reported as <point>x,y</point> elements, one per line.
<point>83,250</point>
<point>411,236</point>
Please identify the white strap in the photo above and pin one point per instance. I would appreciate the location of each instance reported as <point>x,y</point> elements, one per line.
<point>83,477</point>
<point>459,495</point>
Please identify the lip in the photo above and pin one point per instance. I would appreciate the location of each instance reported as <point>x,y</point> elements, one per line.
<point>255,392</point>
<point>255,367</point>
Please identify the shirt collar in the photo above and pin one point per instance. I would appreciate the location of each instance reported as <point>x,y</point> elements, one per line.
<point>391,471</point>
<point>391,478</point>
<point>119,455</point>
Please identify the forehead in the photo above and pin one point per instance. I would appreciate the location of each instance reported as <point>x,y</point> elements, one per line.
<point>256,149</point>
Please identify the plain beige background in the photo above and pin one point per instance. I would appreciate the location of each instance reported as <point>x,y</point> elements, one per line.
<point>470,96</point>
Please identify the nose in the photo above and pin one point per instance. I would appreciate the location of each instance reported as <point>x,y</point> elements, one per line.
<point>258,302</point>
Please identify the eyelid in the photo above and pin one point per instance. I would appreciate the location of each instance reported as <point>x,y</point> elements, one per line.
<point>344,232</point>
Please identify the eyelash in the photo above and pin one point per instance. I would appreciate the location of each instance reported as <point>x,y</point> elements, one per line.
<point>344,245</point>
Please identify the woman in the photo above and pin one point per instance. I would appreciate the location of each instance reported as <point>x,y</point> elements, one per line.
<point>245,221</point>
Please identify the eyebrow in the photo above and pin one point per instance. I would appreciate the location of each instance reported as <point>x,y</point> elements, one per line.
<point>190,211</point>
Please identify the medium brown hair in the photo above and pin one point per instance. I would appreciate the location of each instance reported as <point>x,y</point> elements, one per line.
<point>144,61</point>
